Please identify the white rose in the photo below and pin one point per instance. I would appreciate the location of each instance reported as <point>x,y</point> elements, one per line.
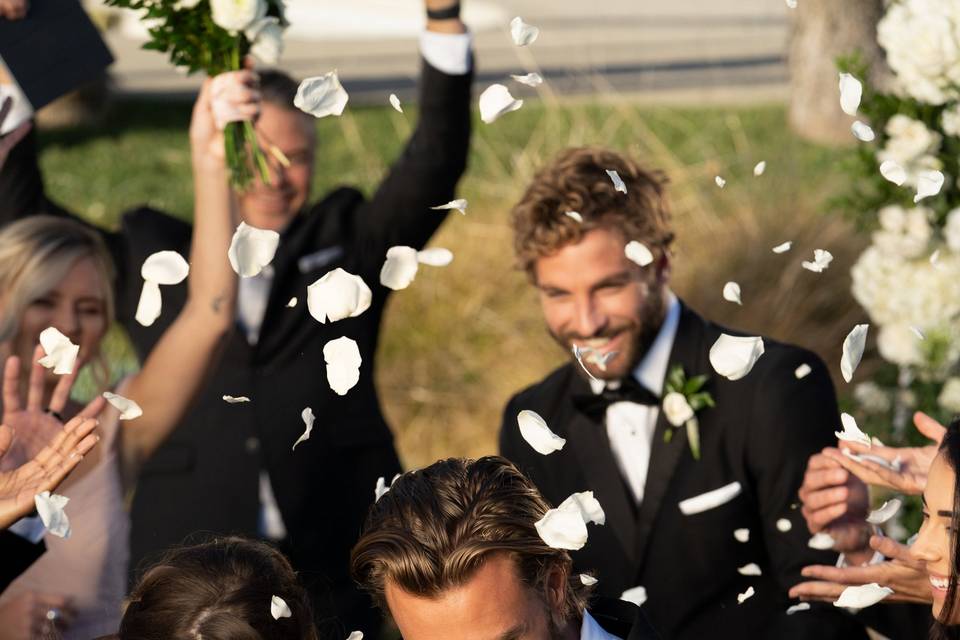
<point>266,40</point>
<point>908,140</point>
<point>181,5</point>
<point>892,218</point>
<point>237,15</point>
<point>949,397</point>
<point>951,230</point>
<point>676,409</point>
<point>950,120</point>
<point>871,398</point>
<point>898,344</point>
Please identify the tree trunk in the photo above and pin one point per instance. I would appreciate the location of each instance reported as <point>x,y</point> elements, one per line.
<point>824,30</point>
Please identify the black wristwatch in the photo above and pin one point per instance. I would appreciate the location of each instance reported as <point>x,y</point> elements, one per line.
<point>444,14</point>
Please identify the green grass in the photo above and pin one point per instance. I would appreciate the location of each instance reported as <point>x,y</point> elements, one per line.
<point>463,338</point>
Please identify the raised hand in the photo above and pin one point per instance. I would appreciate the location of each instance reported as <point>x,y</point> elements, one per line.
<point>229,97</point>
<point>830,495</point>
<point>901,572</point>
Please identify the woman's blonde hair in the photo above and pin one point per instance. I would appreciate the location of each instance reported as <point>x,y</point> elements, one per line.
<point>36,254</point>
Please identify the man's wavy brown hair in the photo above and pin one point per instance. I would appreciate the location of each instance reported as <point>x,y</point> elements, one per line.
<point>435,528</point>
<point>577,180</point>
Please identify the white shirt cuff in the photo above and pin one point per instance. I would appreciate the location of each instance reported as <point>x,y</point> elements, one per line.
<point>447,52</point>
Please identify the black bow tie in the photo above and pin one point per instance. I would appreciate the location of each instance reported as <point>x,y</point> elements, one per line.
<point>595,405</point>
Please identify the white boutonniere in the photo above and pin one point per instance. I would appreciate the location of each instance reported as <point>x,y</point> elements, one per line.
<point>684,398</point>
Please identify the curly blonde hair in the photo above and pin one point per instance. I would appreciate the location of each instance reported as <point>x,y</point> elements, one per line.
<point>577,180</point>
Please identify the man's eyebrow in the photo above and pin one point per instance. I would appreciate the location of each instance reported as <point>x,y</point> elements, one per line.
<point>515,633</point>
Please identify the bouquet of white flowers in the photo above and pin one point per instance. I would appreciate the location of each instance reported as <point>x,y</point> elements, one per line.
<point>214,36</point>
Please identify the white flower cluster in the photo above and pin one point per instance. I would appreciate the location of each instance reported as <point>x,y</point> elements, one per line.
<point>904,233</point>
<point>912,146</point>
<point>265,33</point>
<point>922,41</point>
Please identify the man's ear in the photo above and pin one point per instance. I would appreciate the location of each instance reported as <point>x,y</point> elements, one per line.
<point>556,587</point>
<point>664,268</point>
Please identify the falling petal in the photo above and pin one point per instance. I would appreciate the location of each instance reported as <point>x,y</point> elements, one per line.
<point>522,33</point>
<point>338,295</point>
<point>636,595</point>
<point>784,525</point>
<point>292,302</point>
<point>149,304</point>
<point>853,346</point>
<point>381,489</point>
<point>395,102</point>
<point>822,541</point>
<point>400,268</point>
<point>803,606</point>
<point>884,513</point>
<point>893,172</point>
<point>574,215</point>
<point>638,252</point>
<point>343,364</point>
<point>821,260</point>
<point>61,353</point>
<point>128,409</point>
<point>734,356</point>
<point>495,101</point>
<point>851,432</point>
<point>587,580</point>
<point>460,205</point>
<point>802,371</point>
<point>866,457</point>
<point>563,529</point>
<point>308,418</point>
<point>235,399</point>
<point>916,331</point>
<point>929,184</point>
<point>618,184</point>
<point>742,535</point>
<point>530,79</point>
<point>538,435</point>
<point>599,358</point>
<point>751,569</point>
<point>720,181</point>
<point>252,249</point>
<point>279,608</point>
<point>50,508</point>
<point>435,257</point>
<point>851,90</point>
<point>759,168</point>
<point>710,499</point>
<point>579,353</point>
<point>863,596</point>
<point>862,132</point>
<point>588,506</point>
<point>321,96</point>
<point>746,595</point>
<point>731,292</point>
<point>783,248</point>
<point>355,635</point>
<point>165,267</point>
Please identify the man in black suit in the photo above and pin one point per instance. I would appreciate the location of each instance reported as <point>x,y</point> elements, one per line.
<point>636,339</point>
<point>453,551</point>
<point>229,468</point>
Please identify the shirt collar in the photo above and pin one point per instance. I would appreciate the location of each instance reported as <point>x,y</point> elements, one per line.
<point>652,369</point>
<point>591,629</point>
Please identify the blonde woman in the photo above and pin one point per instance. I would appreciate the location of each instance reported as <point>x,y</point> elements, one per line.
<point>56,272</point>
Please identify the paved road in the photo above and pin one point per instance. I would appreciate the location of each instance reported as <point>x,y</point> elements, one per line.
<point>693,49</point>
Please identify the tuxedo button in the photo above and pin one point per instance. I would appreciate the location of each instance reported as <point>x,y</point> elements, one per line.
<point>252,444</point>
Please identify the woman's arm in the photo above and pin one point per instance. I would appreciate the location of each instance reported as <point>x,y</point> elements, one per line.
<point>177,366</point>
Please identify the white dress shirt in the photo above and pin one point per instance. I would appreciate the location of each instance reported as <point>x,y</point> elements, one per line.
<point>630,426</point>
<point>591,630</point>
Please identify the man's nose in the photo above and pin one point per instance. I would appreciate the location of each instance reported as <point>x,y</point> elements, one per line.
<point>589,319</point>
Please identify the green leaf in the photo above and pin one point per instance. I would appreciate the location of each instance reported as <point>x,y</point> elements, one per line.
<point>693,436</point>
<point>694,384</point>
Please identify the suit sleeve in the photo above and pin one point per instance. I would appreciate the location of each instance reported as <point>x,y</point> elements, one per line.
<point>424,176</point>
<point>17,554</point>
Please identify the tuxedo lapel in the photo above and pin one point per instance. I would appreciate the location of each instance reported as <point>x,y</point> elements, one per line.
<point>665,456</point>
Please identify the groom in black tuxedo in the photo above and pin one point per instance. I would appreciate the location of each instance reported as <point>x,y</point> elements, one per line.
<point>571,229</point>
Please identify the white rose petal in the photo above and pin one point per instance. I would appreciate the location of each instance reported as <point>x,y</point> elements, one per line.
<point>917,332</point>
<point>538,435</point>
<point>821,541</point>
<point>279,608</point>
<point>460,205</point>
<point>865,457</point>
<point>929,184</point>
<point>575,215</point>
<point>522,33</point>
<point>252,249</point>
<point>851,90</point>
<point>61,353</point>
<point>400,268</point>
<point>496,101</point>
<point>784,525</point>
<point>853,346</point>
<point>588,506</point>
<point>731,293</point>
<point>821,260</point>
<point>165,267</point>
<point>381,489</point>
<point>587,580</point>
<point>884,513</point>
<point>237,15</point>
<point>636,595</point>
<point>618,184</point>
<point>710,499</point>
<point>803,606</point>
<point>129,410</point>
<point>235,399</point>
<point>322,96</point>
<point>579,354</point>
<point>734,356</point>
<point>435,257</point>
<point>355,635</point>
<point>720,181</point>
<point>759,168</point>
<point>676,409</point>
<point>292,302</point>
<point>783,248</point>
<point>266,38</point>
<point>862,596</point>
<point>746,595</point>
<point>563,529</point>
<point>638,252</point>
<point>893,172</point>
<point>751,569</point>
<point>802,371</point>
<point>395,102</point>
<point>149,305</point>
<point>851,432</point>
<point>338,295</point>
<point>530,79</point>
<point>862,131</point>
<point>343,364</point>
<point>50,509</point>
<point>308,419</point>
<point>742,535</point>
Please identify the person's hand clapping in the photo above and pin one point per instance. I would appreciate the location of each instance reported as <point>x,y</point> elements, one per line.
<point>12,139</point>
<point>229,97</point>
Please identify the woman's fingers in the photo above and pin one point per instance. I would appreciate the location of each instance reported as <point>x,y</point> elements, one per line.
<point>35,385</point>
<point>817,590</point>
<point>11,385</point>
<point>61,392</point>
<point>928,426</point>
<point>93,408</point>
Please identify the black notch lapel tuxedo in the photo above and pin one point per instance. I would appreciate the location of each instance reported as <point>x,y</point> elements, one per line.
<point>761,433</point>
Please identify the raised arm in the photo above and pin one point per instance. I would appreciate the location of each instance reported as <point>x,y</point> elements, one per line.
<point>176,368</point>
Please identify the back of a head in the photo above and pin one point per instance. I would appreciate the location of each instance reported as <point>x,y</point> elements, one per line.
<point>218,590</point>
<point>435,527</point>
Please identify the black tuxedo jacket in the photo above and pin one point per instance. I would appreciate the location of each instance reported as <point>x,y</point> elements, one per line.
<point>206,476</point>
<point>761,433</point>
<point>623,619</point>
<point>16,555</point>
